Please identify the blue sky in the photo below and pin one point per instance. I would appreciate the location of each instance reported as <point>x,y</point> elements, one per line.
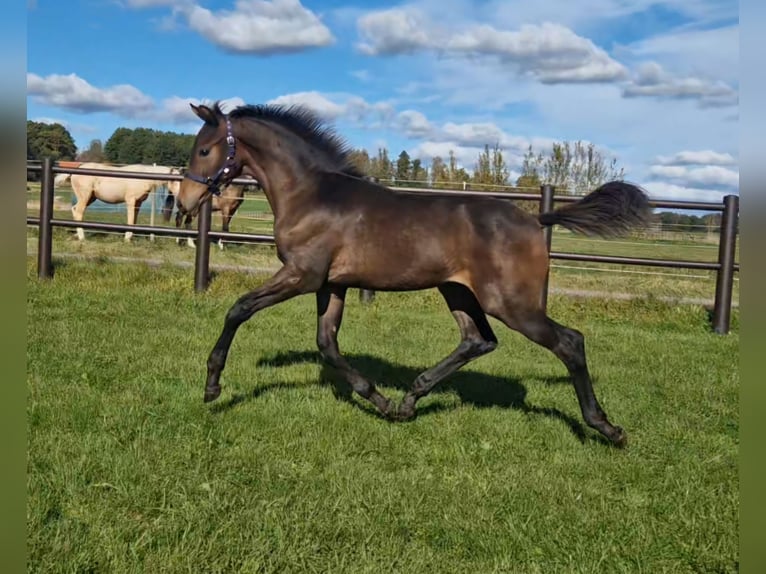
<point>653,83</point>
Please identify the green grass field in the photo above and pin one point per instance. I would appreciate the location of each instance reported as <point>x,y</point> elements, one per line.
<point>128,471</point>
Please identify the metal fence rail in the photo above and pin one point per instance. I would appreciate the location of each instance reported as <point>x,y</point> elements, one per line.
<point>725,266</point>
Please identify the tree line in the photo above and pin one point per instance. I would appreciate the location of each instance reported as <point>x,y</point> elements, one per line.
<point>124,146</point>
<point>672,221</point>
<point>572,167</point>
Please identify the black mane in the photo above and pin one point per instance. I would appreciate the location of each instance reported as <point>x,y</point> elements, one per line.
<point>308,126</point>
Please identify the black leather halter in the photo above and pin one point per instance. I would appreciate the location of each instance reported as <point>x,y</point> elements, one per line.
<point>213,183</point>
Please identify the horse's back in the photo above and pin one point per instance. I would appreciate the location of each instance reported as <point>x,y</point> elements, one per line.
<point>116,189</point>
<point>388,239</point>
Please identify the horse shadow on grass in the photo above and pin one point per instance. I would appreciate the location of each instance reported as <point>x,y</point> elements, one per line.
<point>472,387</point>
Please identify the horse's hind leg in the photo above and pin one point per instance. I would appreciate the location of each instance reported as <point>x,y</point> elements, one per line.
<point>476,336</point>
<point>330,302</point>
<point>569,346</point>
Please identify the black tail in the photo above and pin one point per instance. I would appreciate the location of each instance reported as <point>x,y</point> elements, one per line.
<point>609,211</point>
<point>167,209</point>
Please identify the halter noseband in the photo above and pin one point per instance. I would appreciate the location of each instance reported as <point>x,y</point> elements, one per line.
<point>213,183</point>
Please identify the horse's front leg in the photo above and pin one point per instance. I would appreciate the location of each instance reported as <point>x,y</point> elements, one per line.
<point>186,219</point>
<point>84,199</point>
<point>187,225</point>
<point>226,216</point>
<point>285,284</point>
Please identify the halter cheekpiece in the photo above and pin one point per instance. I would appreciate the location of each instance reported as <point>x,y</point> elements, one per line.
<point>213,183</point>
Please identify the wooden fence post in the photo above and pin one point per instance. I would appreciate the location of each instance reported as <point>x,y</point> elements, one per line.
<point>546,205</point>
<point>727,244</point>
<point>45,234</point>
<point>202,258</point>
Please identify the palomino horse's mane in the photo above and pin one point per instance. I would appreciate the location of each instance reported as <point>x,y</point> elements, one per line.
<point>308,126</point>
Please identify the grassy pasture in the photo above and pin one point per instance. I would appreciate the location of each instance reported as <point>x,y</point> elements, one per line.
<point>128,471</point>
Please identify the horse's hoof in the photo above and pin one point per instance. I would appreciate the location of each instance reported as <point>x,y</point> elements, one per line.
<point>401,414</point>
<point>212,393</point>
<point>619,438</point>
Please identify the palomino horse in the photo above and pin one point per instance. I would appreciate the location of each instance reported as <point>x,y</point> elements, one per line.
<point>334,231</point>
<point>131,192</point>
<point>228,202</point>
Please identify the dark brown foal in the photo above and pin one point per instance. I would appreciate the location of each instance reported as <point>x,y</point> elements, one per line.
<point>335,230</point>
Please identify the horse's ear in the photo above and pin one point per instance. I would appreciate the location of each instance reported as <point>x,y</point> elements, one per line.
<point>205,114</point>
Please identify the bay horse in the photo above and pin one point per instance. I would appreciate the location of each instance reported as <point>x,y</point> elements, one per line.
<point>131,192</point>
<point>336,231</point>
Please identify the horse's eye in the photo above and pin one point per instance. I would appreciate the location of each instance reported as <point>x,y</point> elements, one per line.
<point>204,152</point>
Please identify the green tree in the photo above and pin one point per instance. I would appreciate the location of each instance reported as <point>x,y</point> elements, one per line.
<point>574,168</point>
<point>381,166</point>
<point>361,160</point>
<point>491,168</point>
<point>439,173</point>
<point>530,170</point>
<point>403,167</point>
<point>148,146</point>
<point>456,175</point>
<point>49,140</point>
<point>419,173</point>
<point>94,153</point>
<point>179,149</point>
<point>500,172</point>
<point>113,148</point>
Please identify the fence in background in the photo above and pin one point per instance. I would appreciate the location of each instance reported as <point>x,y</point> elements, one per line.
<point>725,266</point>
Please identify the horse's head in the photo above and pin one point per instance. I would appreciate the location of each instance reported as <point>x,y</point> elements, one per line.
<point>213,161</point>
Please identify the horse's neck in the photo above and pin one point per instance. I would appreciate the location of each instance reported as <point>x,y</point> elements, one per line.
<point>288,178</point>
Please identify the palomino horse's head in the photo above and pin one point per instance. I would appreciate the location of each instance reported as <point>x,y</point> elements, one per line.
<point>213,161</point>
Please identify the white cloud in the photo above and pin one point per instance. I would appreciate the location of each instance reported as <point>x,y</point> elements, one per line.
<point>477,134</point>
<point>586,14</point>
<point>50,121</point>
<point>674,192</point>
<point>315,101</point>
<point>549,52</point>
<point>70,92</point>
<point>651,80</point>
<point>151,3</point>
<point>178,110</point>
<point>689,168</point>
<point>709,52</point>
<point>516,42</point>
<point>395,31</point>
<point>700,157</point>
<point>351,107</point>
<point>410,123</point>
<point>259,26</point>
<point>73,93</point>
<point>711,175</point>
<point>413,124</point>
